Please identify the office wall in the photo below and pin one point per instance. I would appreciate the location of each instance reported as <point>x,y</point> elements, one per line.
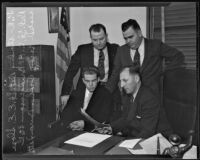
<point>112,17</point>
<point>31,25</point>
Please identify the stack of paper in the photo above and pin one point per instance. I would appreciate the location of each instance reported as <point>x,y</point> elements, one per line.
<point>130,143</point>
<point>191,153</point>
<point>150,144</point>
<point>88,139</point>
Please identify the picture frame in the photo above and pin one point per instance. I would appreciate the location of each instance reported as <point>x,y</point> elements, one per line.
<point>53,19</point>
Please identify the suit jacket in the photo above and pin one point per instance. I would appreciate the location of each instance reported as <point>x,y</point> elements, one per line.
<point>151,68</point>
<point>99,107</point>
<point>84,57</point>
<point>139,118</point>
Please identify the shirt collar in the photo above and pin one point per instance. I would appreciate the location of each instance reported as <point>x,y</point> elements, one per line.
<point>137,89</point>
<point>97,50</point>
<point>141,47</point>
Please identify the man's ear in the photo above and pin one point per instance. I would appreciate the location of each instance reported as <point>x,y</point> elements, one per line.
<point>83,80</point>
<point>137,78</point>
<point>139,33</point>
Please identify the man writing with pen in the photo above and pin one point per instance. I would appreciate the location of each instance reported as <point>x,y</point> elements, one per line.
<point>92,101</point>
<point>140,108</point>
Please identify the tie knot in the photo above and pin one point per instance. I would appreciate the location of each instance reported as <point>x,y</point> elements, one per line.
<point>100,50</point>
<point>131,98</point>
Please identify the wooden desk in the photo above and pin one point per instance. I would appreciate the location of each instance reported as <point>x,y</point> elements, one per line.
<point>109,147</point>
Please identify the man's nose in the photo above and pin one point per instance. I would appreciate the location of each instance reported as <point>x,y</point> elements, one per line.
<point>90,83</point>
<point>121,84</point>
<point>98,41</point>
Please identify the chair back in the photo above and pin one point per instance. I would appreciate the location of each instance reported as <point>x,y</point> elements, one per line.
<point>180,101</point>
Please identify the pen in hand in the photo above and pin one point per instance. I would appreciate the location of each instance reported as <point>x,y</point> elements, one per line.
<point>158,146</point>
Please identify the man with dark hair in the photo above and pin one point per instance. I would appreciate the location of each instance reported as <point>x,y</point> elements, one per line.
<point>140,108</point>
<point>94,99</point>
<point>148,55</point>
<point>99,53</point>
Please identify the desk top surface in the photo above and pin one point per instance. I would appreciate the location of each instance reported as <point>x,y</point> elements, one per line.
<point>107,147</point>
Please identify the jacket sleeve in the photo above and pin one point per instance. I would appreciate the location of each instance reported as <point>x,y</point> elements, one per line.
<point>101,105</point>
<point>73,68</point>
<point>114,78</point>
<point>173,57</point>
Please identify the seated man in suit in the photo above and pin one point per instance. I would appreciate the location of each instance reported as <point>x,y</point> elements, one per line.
<point>92,98</point>
<point>140,108</point>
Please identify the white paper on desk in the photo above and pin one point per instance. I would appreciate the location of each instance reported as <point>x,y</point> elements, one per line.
<point>191,153</point>
<point>137,151</point>
<point>130,143</point>
<point>150,144</point>
<point>88,139</point>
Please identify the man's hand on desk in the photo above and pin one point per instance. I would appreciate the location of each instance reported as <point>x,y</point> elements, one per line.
<point>77,125</point>
<point>64,100</point>
<point>105,130</point>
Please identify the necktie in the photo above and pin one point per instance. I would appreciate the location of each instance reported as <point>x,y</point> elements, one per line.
<point>136,61</point>
<point>101,64</point>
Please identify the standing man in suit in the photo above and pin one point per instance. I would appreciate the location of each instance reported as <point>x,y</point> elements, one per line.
<point>148,55</point>
<point>94,100</point>
<point>140,108</point>
<point>99,53</point>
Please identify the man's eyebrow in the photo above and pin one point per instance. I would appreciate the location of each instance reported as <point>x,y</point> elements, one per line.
<point>128,37</point>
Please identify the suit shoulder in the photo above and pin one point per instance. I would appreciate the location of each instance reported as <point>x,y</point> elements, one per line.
<point>101,90</point>
<point>113,45</point>
<point>148,92</point>
<point>122,47</point>
<point>153,41</point>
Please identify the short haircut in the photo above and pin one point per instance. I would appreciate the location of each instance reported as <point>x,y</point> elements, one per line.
<point>130,23</point>
<point>132,70</point>
<point>97,28</point>
<point>90,70</point>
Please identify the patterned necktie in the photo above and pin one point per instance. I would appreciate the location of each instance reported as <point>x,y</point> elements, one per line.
<point>136,61</point>
<point>101,64</point>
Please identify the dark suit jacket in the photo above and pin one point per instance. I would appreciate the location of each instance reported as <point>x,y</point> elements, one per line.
<point>151,68</point>
<point>139,118</point>
<point>100,106</point>
<point>84,57</point>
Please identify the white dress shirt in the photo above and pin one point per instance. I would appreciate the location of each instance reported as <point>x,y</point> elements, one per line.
<point>87,98</point>
<point>135,93</point>
<point>141,52</point>
<point>106,62</point>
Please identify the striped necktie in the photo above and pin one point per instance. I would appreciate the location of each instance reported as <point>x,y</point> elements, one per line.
<point>136,61</point>
<point>101,64</point>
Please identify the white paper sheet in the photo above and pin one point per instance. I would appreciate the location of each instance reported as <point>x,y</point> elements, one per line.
<point>137,151</point>
<point>191,153</point>
<point>88,139</point>
<point>130,143</point>
<point>150,144</point>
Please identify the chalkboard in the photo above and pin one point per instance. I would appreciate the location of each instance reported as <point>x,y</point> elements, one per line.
<point>28,96</point>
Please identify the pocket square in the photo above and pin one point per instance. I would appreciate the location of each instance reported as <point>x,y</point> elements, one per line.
<point>138,117</point>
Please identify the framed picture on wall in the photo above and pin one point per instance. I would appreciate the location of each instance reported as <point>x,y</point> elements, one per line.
<point>53,19</point>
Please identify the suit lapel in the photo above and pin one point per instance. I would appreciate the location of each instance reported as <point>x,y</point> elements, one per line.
<point>81,96</point>
<point>128,56</point>
<point>90,53</point>
<point>131,110</point>
<point>92,100</point>
<point>146,54</point>
<point>134,106</point>
<point>110,57</point>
